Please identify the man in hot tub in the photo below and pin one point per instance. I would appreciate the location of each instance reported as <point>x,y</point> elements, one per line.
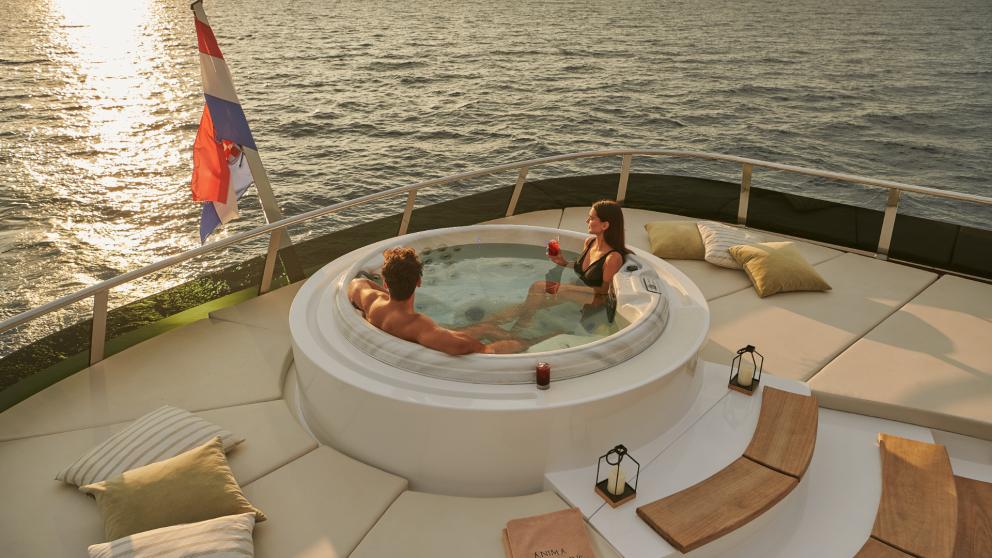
<point>390,308</point>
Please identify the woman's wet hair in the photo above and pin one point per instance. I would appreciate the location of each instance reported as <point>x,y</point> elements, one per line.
<point>401,269</point>
<point>610,212</point>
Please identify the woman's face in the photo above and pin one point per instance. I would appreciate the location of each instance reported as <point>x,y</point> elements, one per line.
<point>593,224</point>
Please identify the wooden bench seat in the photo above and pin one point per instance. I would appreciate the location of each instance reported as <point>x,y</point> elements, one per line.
<point>786,433</point>
<point>918,509</point>
<point>974,533</point>
<point>772,466</point>
<point>877,549</point>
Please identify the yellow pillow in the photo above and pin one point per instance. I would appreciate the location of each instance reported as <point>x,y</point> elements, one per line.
<point>193,486</point>
<point>675,240</point>
<point>777,267</point>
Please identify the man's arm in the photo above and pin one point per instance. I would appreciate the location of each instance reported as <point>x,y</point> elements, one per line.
<point>438,338</point>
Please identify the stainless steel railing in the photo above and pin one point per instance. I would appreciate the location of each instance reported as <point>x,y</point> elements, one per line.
<point>100,292</point>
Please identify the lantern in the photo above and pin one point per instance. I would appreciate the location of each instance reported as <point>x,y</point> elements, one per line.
<point>745,370</point>
<point>614,488</point>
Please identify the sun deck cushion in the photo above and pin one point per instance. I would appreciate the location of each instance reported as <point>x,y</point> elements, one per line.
<point>799,333</point>
<point>677,240</point>
<point>930,363</point>
<point>320,505</point>
<point>777,267</point>
<point>269,311</point>
<point>420,525</point>
<point>43,517</point>
<point>159,435</point>
<point>192,486</point>
<point>717,240</point>
<point>229,536</point>
<point>204,365</point>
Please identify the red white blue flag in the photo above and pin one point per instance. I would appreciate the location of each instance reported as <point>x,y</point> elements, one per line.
<point>220,173</point>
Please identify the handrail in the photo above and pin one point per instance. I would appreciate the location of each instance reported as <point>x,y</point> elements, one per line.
<point>100,289</point>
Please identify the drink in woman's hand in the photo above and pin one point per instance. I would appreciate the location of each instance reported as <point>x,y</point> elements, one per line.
<point>553,248</point>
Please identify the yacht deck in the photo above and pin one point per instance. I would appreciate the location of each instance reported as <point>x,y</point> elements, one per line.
<point>891,349</point>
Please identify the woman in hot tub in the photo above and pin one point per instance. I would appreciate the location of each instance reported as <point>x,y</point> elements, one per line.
<point>601,258</point>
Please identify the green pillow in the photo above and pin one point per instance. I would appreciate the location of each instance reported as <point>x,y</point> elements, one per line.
<point>777,267</point>
<point>675,240</point>
<point>193,486</point>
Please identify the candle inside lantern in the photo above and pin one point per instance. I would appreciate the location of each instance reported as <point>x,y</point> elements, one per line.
<point>617,482</point>
<point>745,375</point>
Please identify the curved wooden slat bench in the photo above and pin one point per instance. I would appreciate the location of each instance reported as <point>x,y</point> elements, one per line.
<point>974,537</point>
<point>918,510</point>
<point>771,467</point>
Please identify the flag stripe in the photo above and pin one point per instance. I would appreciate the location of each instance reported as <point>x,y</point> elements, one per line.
<point>216,76</point>
<point>208,221</point>
<point>229,121</point>
<point>206,40</point>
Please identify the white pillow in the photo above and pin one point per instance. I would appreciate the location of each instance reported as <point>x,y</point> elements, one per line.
<point>159,435</point>
<point>717,240</point>
<point>222,537</point>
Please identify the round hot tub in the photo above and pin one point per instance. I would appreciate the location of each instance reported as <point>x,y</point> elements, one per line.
<point>476,424</point>
<point>473,274</point>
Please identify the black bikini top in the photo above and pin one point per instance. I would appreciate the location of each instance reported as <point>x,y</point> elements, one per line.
<point>592,276</point>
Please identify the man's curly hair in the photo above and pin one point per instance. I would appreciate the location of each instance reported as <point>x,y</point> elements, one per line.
<point>401,270</point>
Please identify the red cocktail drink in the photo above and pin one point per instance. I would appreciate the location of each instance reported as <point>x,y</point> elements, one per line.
<point>543,375</point>
<point>553,248</point>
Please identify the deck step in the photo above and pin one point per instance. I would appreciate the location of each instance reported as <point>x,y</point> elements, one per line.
<point>974,533</point>
<point>718,505</point>
<point>786,433</point>
<point>877,549</point>
<point>918,509</point>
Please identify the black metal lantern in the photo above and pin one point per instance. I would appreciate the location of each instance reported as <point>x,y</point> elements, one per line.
<point>614,488</point>
<point>745,370</point>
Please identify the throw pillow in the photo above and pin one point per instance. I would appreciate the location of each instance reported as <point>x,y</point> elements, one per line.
<point>161,434</point>
<point>189,487</point>
<point>718,238</point>
<point>778,267</point>
<point>228,537</point>
<point>675,240</point>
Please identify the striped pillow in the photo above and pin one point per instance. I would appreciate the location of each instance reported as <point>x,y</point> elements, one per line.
<point>159,435</point>
<point>227,536</point>
<point>717,240</point>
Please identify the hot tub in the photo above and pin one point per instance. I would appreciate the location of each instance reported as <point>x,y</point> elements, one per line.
<point>476,425</point>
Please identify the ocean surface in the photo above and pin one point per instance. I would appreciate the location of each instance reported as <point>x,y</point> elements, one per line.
<point>100,102</point>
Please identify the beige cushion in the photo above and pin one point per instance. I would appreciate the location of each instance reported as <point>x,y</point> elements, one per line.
<point>159,435</point>
<point>192,486</point>
<point>420,525</point>
<point>717,240</point>
<point>223,537</point>
<point>205,365</point>
<point>777,267</point>
<point>320,505</point>
<point>42,517</point>
<point>678,240</point>
<point>799,333</point>
<point>930,363</point>
<point>269,311</point>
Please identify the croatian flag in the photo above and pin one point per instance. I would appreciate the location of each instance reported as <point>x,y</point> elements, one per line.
<point>220,172</point>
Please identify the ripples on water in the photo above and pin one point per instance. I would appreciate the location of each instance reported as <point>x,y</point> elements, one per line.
<point>99,104</point>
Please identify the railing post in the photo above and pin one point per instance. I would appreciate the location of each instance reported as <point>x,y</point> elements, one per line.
<point>275,240</point>
<point>624,176</point>
<point>745,194</point>
<point>888,224</point>
<point>515,197</point>
<point>98,335</point>
<point>407,212</point>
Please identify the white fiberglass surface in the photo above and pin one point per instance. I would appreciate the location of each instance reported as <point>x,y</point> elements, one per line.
<point>468,284</point>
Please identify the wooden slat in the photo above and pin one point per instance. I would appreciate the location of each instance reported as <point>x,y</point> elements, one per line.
<point>786,433</point>
<point>875,549</point>
<point>974,538</point>
<point>718,505</point>
<point>918,510</point>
